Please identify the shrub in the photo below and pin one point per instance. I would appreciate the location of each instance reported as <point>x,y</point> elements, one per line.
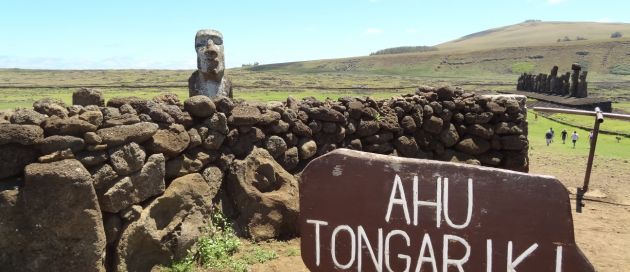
<point>213,250</point>
<point>580,38</point>
<point>620,69</point>
<point>616,34</point>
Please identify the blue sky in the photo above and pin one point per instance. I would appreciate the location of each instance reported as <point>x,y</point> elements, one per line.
<point>160,34</point>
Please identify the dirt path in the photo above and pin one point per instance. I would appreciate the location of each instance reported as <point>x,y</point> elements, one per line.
<point>602,230</point>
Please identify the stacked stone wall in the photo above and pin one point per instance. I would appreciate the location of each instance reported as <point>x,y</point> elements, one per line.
<point>150,171</point>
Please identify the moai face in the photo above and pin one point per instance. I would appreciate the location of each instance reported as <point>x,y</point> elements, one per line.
<point>209,47</point>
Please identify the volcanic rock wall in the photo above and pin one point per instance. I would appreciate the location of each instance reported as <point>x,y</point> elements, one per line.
<point>126,186</point>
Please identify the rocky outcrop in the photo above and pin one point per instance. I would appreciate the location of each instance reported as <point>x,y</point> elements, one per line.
<point>265,196</point>
<point>167,227</point>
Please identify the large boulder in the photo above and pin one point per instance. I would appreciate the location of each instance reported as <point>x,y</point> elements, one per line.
<point>167,227</point>
<point>265,195</point>
<point>54,223</point>
<point>119,135</point>
<point>136,188</point>
<point>20,134</point>
<point>85,96</point>
<point>170,141</point>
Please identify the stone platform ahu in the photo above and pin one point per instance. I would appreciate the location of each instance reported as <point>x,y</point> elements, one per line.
<point>368,212</point>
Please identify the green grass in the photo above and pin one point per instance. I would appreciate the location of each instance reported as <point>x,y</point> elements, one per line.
<point>523,67</point>
<point>612,125</point>
<point>607,146</point>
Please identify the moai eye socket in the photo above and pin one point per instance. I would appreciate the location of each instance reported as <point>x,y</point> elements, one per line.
<point>216,40</point>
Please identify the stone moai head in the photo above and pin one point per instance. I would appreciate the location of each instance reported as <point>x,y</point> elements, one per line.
<point>576,67</point>
<point>210,56</point>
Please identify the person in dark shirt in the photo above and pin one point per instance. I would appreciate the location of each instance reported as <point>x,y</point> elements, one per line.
<point>564,135</point>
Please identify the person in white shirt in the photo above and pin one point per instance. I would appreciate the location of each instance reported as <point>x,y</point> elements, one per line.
<point>574,137</point>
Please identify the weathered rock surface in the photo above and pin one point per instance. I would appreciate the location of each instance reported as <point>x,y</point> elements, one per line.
<point>20,134</point>
<point>265,195</point>
<point>168,227</point>
<point>55,219</point>
<point>85,96</point>
<point>27,117</point>
<point>170,141</point>
<point>127,158</point>
<point>67,126</point>
<point>13,158</point>
<point>200,106</point>
<point>119,135</point>
<point>56,143</point>
<point>136,188</point>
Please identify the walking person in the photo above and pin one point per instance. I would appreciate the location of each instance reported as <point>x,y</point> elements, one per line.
<point>563,134</point>
<point>548,137</point>
<point>574,137</point>
<point>552,133</point>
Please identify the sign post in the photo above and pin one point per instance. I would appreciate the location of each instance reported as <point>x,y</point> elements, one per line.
<point>368,212</point>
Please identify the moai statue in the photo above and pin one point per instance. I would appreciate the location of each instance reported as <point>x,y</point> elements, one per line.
<point>545,84</point>
<point>208,80</point>
<point>553,80</point>
<point>520,84</point>
<point>566,85</point>
<point>574,79</point>
<point>582,84</point>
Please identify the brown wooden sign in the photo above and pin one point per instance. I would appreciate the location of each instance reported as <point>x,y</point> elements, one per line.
<point>366,212</point>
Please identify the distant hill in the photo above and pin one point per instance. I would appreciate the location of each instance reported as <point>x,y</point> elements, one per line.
<point>531,46</point>
<point>404,49</point>
<point>535,33</point>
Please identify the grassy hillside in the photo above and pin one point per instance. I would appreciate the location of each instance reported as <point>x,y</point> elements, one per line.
<point>535,33</point>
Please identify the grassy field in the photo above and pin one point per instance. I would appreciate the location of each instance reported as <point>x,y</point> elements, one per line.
<point>611,125</point>
<point>607,145</point>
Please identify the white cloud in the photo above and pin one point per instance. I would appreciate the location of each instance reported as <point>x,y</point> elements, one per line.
<point>411,30</point>
<point>373,31</point>
<point>603,20</point>
<point>555,2</point>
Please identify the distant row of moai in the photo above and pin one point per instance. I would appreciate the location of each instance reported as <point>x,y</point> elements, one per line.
<point>569,84</point>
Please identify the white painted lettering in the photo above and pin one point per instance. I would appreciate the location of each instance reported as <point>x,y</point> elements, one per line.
<point>397,189</point>
<point>559,259</point>
<point>437,204</point>
<point>511,264</point>
<point>401,256</point>
<point>377,258</point>
<point>489,255</point>
<point>469,210</point>
<point>446,260</point>
<point>333,246</point>
<point>317,224</point>
<point>426,243</point>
